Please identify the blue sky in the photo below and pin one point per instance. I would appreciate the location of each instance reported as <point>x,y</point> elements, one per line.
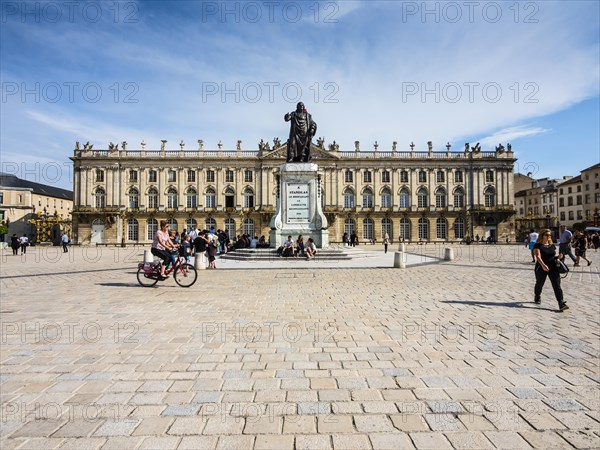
<point>520,72</point>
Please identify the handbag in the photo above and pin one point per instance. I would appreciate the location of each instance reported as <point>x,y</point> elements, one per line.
<point>563,270</point>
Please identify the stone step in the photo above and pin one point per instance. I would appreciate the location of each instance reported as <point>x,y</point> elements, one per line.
<point>262,254</point>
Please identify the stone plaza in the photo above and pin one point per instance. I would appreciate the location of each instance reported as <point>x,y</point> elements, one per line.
<point>291,354</point>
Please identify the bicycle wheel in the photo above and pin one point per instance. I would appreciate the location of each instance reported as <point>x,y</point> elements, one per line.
<point>144,280</point>
<point>186,275</point>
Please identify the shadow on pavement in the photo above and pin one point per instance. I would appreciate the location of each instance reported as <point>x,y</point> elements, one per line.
<point>526,305</point>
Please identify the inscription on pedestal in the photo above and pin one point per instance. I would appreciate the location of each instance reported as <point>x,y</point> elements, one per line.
<point>297,203</point>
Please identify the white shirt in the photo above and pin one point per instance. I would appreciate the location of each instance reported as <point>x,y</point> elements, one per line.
<point>533,237</point>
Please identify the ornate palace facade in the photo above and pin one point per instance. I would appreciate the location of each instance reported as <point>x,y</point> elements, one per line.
<point>120,195</point>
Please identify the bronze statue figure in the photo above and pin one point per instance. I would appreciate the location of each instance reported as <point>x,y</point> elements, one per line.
<point>302,130</point>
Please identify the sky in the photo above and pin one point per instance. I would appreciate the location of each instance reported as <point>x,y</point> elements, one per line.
<point>525,73</point>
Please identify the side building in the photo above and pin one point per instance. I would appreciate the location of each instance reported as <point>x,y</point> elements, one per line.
<point>120,195</point>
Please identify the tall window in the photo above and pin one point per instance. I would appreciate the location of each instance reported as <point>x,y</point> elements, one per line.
<point>248,198</point>
<point>191,176</point>
<point>152,176</point>
<point>249,227</point>
<point>348,198</point>
<point>210,222</point>
<point>367,198</point>
<point>423,228</point>
<point>440,176</point>
<point>349,226</point>
<point>386,227</point>
<point>385,176</point>
<point>190,223</point>
<point>152,225</point>
<point>459,198</point>
<point>404,198</point>
<point>229,176</point>
<point>489,196</point>
<point>171,176</point>
<point>133,230</point>
<point>152,198</point>
<point>422,176</point>
<point>229,198</point>
<point>191,198</point>
<point>230,228</point>
<point>99,176</point>
<point>459,228</point>
<point>422,197</point>
<point>248,176</point>
<point>134,198</point>
<point>386,198</point>
<point>367,176</point>
<point>173,224</point>
<point>100,198</point>
<point>210,176</point>
<point>404,176</point>
<point>458,176</point>
<point>440,227</point>
<point>440,197</point>
<point>404,229</point>
<point>489,176</point>
<point>348,176</point>
<point>211,198</point>
<point>368,229</point>
<point>172,198</point>
<point>133,176</point>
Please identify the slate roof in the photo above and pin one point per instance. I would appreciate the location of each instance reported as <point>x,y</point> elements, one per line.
<point>11,181</point>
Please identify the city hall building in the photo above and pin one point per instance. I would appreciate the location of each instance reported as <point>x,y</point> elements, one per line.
<point>121,195</point>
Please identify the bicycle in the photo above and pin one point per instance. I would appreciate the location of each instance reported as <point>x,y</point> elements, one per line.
<point>184,274</point>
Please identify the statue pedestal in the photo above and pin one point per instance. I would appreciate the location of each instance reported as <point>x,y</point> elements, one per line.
<point>298,208</point>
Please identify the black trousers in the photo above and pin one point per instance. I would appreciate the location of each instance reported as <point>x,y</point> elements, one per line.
<point>540,279</point>
<point>565,249</point>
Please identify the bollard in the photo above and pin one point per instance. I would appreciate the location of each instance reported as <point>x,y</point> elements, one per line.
<point>401,247</point>
<point>399,260</point>
<point>200,261</point>
<point>148,256</point>
<point>448,254</point>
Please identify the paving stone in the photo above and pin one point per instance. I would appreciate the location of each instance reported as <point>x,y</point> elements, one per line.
<point>506,439</point>
<point>581,439</point>
<point>313,441</point>
<point>544,439</point>
<point>386,441</point>
<point>428,440</point>
<point>181,410</point>
<point>564,404</point>
<point>469,440</point>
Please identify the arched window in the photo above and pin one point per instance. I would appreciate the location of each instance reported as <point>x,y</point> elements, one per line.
<point>152,198</point>
<point>440,197</point>
<point>386,227</point>
<point>230,228</point>
<point>152,225</point>
<point>211,198</point>
<point>459,198</point>
<point>440,176</point>
<point>459,228</point>
<point>367,198</point>
<point>191,198</point>
<point>210,222</point>
<point>405,229</point>
<point>348,198</point>
<point>248,198</point>
<point>190,223</point>
<point>422,197</point>
<point>349,226</point>
<point>490,196</point>
<point>249,227</point>
<point>386,198</point>
<point>368,229</point>
<point>404,198</point>
<point>440,227</point>
<point>423,229</point>
<point>133,230</point>
<point>134,198</point>
<point>172,198</point>
<point>173,224</point>
<point>100,198</point>
<point>229,198</point>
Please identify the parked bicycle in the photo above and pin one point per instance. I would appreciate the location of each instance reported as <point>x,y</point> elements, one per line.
<point>184,274</point>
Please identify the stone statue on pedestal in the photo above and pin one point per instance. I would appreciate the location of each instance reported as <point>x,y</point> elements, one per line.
<point>302,130</point>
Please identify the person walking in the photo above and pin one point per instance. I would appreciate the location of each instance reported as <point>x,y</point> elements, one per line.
<point>531,240</point>
<point>581,248</point>
<point>24,241</point>
<point>15,243</point>
<point>386,242</point>
<point>65,242</point>
<point>544,252</point>
<point>564,247</point>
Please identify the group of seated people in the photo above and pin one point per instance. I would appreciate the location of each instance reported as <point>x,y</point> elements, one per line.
<point>248,241</point>
<point>299,248</point>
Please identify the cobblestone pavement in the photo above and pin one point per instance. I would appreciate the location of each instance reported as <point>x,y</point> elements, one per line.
<point>449,355</point>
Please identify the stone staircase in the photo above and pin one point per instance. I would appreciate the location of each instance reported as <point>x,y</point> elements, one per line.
<point>333,253</point>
